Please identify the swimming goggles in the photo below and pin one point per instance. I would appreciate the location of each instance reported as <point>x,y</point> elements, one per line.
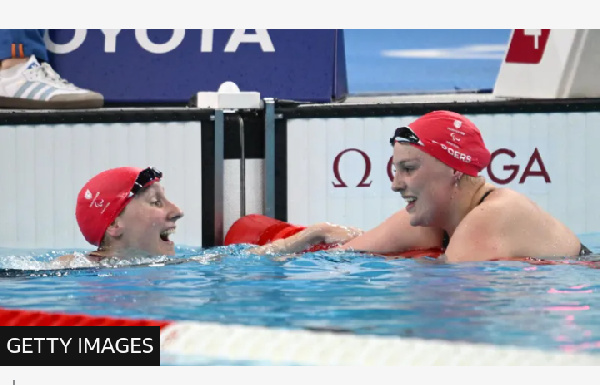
<point>145,176</point>
<point>405,135</point>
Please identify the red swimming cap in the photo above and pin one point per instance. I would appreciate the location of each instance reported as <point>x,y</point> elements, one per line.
<point>451,138</point>
<point>103,198</point>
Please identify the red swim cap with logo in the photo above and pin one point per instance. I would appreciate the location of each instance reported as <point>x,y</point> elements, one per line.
<point>449,137</point>
<point>104,196</point>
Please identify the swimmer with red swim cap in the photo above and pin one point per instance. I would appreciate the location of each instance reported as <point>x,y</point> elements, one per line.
<point>124,212</point>
<point>437,160</point>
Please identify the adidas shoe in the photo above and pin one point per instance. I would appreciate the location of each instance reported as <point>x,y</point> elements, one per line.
<point>35,85</point>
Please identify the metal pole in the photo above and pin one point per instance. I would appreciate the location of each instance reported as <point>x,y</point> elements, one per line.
<point>270,157</point>
<point>242,169</point>
<point>219,174</point>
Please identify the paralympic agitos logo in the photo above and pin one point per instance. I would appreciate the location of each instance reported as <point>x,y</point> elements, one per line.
<point>535,168</point>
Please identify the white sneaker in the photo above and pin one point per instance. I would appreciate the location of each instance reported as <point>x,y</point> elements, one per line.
<point>31,85</point>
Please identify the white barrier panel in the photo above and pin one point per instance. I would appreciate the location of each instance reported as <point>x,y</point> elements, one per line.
<point>339,169</point>
<point>545,63</point>
<point>48,164</point>
<point>185,341</point>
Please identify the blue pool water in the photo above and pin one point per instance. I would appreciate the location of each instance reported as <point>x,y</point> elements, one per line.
<point>550,307</point>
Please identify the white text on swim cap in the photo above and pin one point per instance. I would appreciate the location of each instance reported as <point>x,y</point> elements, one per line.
<point>457,154</point>
<point>95,201</point>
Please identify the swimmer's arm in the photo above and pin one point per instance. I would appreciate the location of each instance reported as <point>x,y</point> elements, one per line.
<point>395,234</point>
<point>321,232</point>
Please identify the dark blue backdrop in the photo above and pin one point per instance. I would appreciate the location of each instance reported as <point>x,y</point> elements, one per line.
<point>304,65</point>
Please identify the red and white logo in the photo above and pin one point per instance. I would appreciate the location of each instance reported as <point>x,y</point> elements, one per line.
<point>527,46</point>
<point>95,202</point>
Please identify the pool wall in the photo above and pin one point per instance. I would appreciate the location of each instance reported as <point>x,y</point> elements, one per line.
<point>299,162</point>
<point>339,169</point>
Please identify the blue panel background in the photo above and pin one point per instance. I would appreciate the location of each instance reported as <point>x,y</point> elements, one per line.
<point>301,68</point>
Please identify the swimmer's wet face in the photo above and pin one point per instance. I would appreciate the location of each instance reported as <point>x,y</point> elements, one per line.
<point>124,212</point>
<point>424,182</point>
<point>430,155</point>
<point>146,223</point>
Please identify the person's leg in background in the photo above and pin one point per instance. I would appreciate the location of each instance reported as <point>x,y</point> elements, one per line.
<point>28,81</point>
<point>13,51</point>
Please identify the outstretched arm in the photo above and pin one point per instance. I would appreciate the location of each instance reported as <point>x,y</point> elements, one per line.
<point>396,234</point>
<point>324,232</point>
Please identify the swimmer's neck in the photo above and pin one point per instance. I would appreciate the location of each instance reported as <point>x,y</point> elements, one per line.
<point>465,198</point>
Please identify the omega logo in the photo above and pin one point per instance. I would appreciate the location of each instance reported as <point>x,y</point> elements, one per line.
<point>336,169</point>
<point>535,167</point>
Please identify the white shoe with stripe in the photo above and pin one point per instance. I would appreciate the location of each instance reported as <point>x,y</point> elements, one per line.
<point>34,85</point>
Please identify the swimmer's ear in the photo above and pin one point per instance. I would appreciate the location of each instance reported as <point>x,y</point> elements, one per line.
<point>457,176</point>
<point>115,229</point>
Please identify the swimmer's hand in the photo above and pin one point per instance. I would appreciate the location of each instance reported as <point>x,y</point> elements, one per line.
<point>337,234</point>
<point>323,232</point>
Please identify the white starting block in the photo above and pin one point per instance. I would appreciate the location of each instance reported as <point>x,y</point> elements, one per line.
<point>550,63</point>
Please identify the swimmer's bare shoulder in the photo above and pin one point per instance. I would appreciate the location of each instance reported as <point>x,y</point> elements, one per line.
<point>65,258</point>
<point>483,234</point>
<point>509,225</point>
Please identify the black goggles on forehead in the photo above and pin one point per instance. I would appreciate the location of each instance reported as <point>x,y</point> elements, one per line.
<point>146,176</point>
<point>405,135</point>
